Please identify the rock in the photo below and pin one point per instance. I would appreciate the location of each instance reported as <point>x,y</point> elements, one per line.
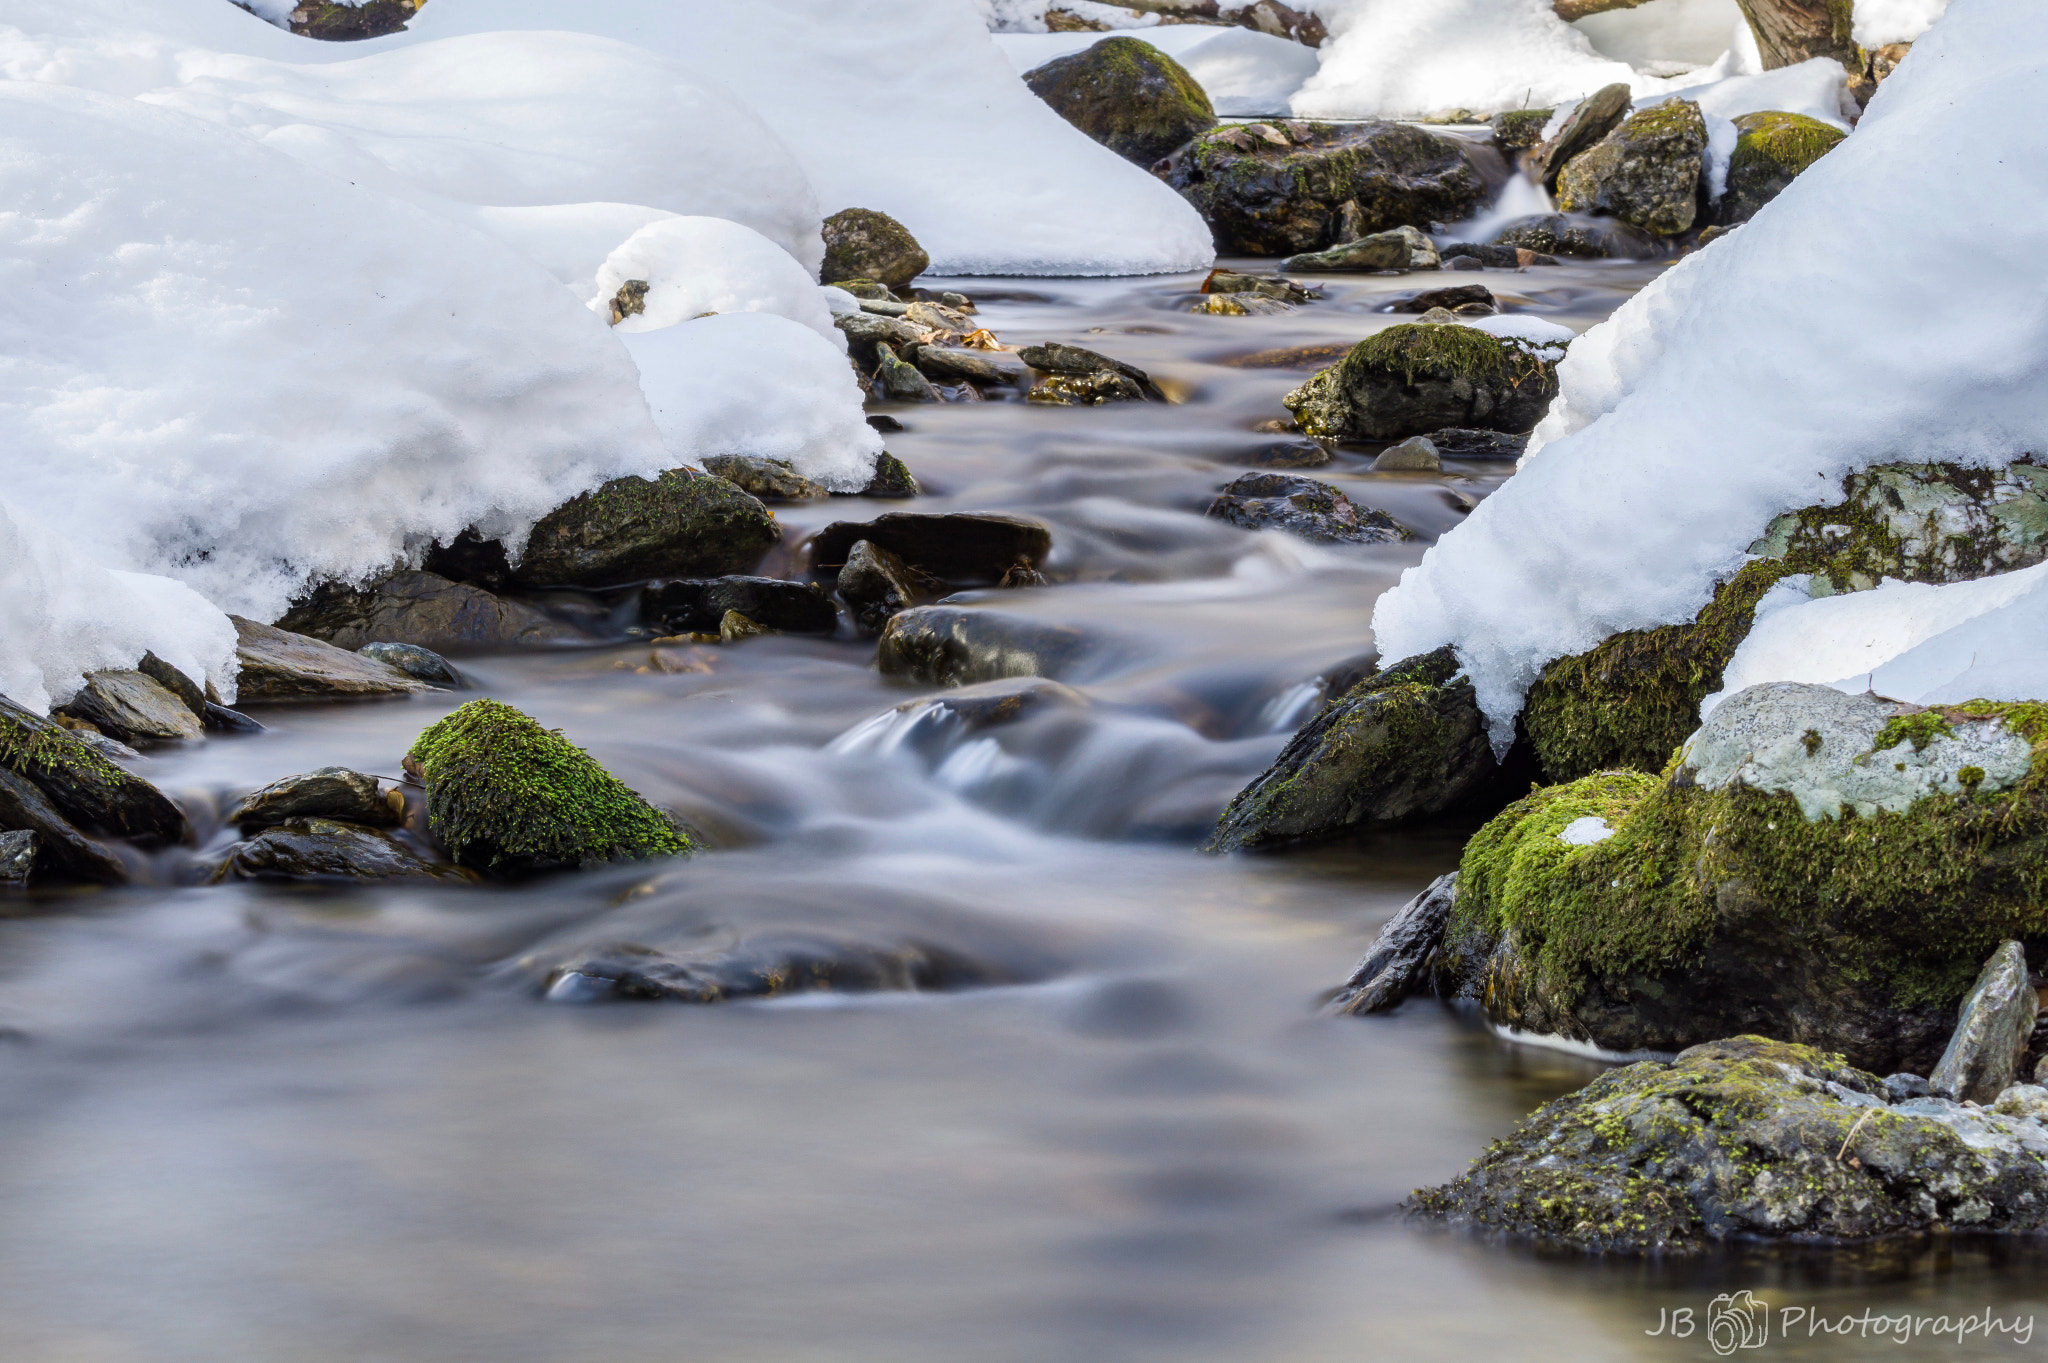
<point>2029,1101</point>
<point>1090,390</point>
<point>1263,200</point>
<point>866,333</point>
<point>1054,357</point>
<point>960,548</point>
<point>867,290</point>
<point>84,786</point>
<point>771,480</point>
<point>1412,379</point>
<point>1401,956</point>
<point>875,584</point>
<point>220,719</point>
<point>506,796</point>
<point>17,857</point>
<point>968,710</point>
<point>1646,172</point>
<point>329,849</point>
<point>1468,256</point>
<point>1416,454</point>
<point>1900,1087</point>
<point>1279,290</point>
<point>863,244</point>
<point>133,708</point>
<point>281,666</point>
<point>1458,298</point>
<point>1400,248</point>
<point>901,381</point>
<point>937,318</point>
<point>425,610</point>
<point>58,842</point>
<point>1405,743</point>
<point>1456,442</point>
<point>1599,114</point>
<point>1291,454</point>
<point>766,965</point>
<point>1772,149</point>
<point>420,664</point>
<point>1554,234</point>
<point>696,605</point>
<point>682,524</point>
<point>1239,305</point>
<point>1304,507</point>
<point>1747,1138</point>
<point>329,793</point>
<point>956,363</point>
<point>957,646</point>
<point>892,479</point>
<point>350,22</point>
<point>734,628</point>
<point>1127,95</point>
<point>189,693</point>
<point>1518,130</point>
<point>1462,263</point>
<point>1992,1030</point>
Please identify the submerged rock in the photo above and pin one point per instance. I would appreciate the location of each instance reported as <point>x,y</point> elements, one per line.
<point>1291,454</point>
<point>1400,248</point>
<point>771,480</point>
<point>960,548</point>
<point>1087,390</point>
<point>682,524</point>
<point>863,244</point>
<point>1554,234</point>
<point>277,665</point>
<point>17,858</point>
<point>875,584</point>
<point>1992,1030</point>
<point>697,605</point>
<point>1127,95</point>
<point>1646,172</point>
<point>766,965</point>
<point>1402,955</point>
<point>329,849</point>
<point>425,610</point>
<point>84,786</point>
<point>1304,507</point>
<point>1597,115</point>
<point>1416,378</point>
<point>421,664</point>
<point>131,707</point>
<point>1772,150</point>
<point>958,646</point>
<point>329,793</point>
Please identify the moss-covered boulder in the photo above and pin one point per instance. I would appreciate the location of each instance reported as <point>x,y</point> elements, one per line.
<point>85,787</point>
<point>1748,1138</point>
<point>507,796</point>
<point>1819,867</point>
<point>681,524</point>
<point>1421,377</point>
<point>1771,151</point>
<point>1591,119</point>
<point>861,244</point>
<point>1646,172</point>
<point>1288,194</point>
<point>1127,95</point>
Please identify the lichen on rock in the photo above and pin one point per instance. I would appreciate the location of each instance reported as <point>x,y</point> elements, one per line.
<point>1127,95</point>
<point>1416,378</point>
<point>1646,172</point>
<point>1771,150</point>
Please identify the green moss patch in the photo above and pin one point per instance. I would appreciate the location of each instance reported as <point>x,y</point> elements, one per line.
<point>1445,352</point>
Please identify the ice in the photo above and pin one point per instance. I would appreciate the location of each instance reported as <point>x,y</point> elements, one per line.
<point>1881,22</point>
<point>694,266</point>
<point>1245,73</point>
<point>1752,376</point>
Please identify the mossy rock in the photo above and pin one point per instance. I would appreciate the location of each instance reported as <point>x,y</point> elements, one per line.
<point>1748,1138</point>
<point>345,23</point>
<point>1519,130</point>
<point>507,796</point>
<point>1127,95</point>
<point>1770,152</point>
<point>864,245</point>
<point>1646,172</point>
<point>680,524</point>
<point>1421,377</point>
<point>85,787</point>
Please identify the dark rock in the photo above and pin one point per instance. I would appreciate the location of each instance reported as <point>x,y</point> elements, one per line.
<point>189,692</point>
<point>1771,150</point>
<point>1263,286</point>
<point>900,381</point>
<point>682,524</point>
<point>1416,454</point>
<point>17,857</point>
<point>1401,956</point>
<point>133,708</point>
<point>772,480</point>
<point>863,244</point>
<point>1519,130</point>
<point>221,720</point>
<point>1127,95</point>
<point>1399,248</point>
<point>766,965</point>
<point>24,807</point>
<point>1055,357</point>
<point>1992,1031</point>
<point>425,610</point>
<point>875,584</point>
<point>1457,298</point>
<point>970,710</point>
<point>958,646</point>
<point>892,478</point>
<point>1304,507</point>
<point>1466,255</point>
<point>886,424</point>
<point>328,849</point>
<point>697,605</point>
<point>1405,743</point>
<point>1900,1087</point>
<point>351,22</point>
<point>1457,442</point>
<point>278,665</point>
<point>473,559</point>
<point>421,664</point>
<point>329,793</point>
<point>1090,390</point>
<point>960,548</point>
<point>88,789</point>
<point>1646,172</point>
<point>1264,200</point>
<point>1554,234</point>
<point>1599,114</point>
<point>867,290</point>
<point>953,363</point>
<point>1416,378</point>
<point>1291,454</point>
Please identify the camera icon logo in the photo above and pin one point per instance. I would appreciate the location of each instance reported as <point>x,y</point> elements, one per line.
<point>1737,1321</point>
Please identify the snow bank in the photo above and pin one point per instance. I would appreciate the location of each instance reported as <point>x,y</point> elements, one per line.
<point>1245,73</point>
<point>1664,34</point>
<point>1818,88</point>
<point>694,266</point>
<point>1752,376</point>
<point>1879,22</point>
<point>1028,16</point>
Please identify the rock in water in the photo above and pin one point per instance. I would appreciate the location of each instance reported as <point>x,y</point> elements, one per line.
<point>1401,956</point>
<point>188,692</point>
<point>1416,378</point>
<point>1264,200</point>
<point>875,584</point>
<point>696,605</point>
<point>772,480</point>
<point>1416,454</point>
<point>1127,95</point>
<point>507,796</point>
<point>767,965</point>
<point>130,707</point>
<point>88,789</point>
<point>278,665</point>
<point>1992,1031</point>
<point>1401,248</point>
<point>1646,172</point>
<point>1747,1138</point>
<point>1457,442</point>
<point>863,244</point>
<point>1055,357</point>
<point>328,849</point>
<point>1771,150</point>
<point>1405,743</point>
<point>58,842</point>
<point>892,478</point>
<point>17,858</point>
<point>1519,130</point>
<point>682,524</point>
<point>955,646</point>
<point>329,793</point>
<point>1469,299</point>
<point>900,380</point>
<point>1305,507</point>
<point>421,664</point>
<point>423,609</point>
<point>1599,114</point>
<point>960,548</point>
<point>1554,234</point>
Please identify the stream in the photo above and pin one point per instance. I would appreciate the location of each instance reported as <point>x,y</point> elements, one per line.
<point>262,1123</point>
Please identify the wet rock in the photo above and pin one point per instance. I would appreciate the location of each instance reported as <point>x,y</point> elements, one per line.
<point>1305,507</point>
<point>17,858</point>
<point>1239,305</point>
<point>766,965</point>
<point>958,646</point>
<point>350,22</point>
<point>1466,299</point>
<point>866,332</point>
<point>960,548</point>
<point>892,477</point>
<point>1900,1087</point>
<point>875,584</point>
<point>329,849</point>
<point>735,628</point>
<point>89,790</point>
<point>1405,743</point>
<point>958,363</point>
<point>1291,454</point>
<point>1127,95</point>
<point>682,524</point>
<point>1456,442</point>
<point>1646,172</point>
<point>1055,357</point>
<point>132,708</point>
<point>1771,150</point>
<point>220,719</point>
<point>1992,1029</point>
<point>1554,234</point>
<point>867,290</point>
<point>886,424</point>
<point>189,693</point>
<point>1265,200</point>
<point>506,796</point>
<point>1465,255</point>
<point>1747,1138</point>
<point>1086,390</point>
<point>901,381</point>
<point>1416,454</point>
<point>329,793</point>
<point>1399,248</point>
<point>1264,286</point>
<point>696,605</point>
<point>992,704</point>
<point>1518,130</point>
<point>1599,114</point>
<point>111,748</point>
<point>863,244</point>
<point>1413,379</point>
<point>277,665</point>
<point>421,664</point>
<point>425,610</point>
<point>1401,956</point>
<point>59,844</point>
<point>771,480</point>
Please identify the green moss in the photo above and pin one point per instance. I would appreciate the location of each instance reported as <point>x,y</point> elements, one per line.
<point>505,794</point>
<point>1922,728</point>
<point>1779,144</point>
<point>36,748</point>
<point>1445,352</point>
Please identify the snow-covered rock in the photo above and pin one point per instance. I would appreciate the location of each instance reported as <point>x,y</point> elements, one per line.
<point>695,266</point>
<point>1246,73</point>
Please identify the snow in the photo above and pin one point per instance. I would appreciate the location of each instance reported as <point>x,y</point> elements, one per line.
<point>1751,377</point>
<point>1664,33</point>
<point>1028,16</point>
<point>1818,88</point>
<point>1245,73</point>
<point>1585,832</point>
<point>1882,22</point>
<point>694,266</point>
<point>1522,326</point>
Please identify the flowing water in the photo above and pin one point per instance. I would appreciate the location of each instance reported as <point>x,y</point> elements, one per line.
<point>258,1123</point>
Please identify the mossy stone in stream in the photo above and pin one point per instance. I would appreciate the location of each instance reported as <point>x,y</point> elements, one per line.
<point>88,789</point>
<point>680,524</point>
<point>1127,95</point>
<point>1646,172</point>
<point>506,795</point>
<point>861,244</point>
<point>1772,150</point>
<point>1419,377</point>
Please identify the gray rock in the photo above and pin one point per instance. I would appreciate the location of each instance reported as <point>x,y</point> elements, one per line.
<point>1305,507</point>
<point>330,793</point>
<point>1466,299</point>
<point>765,965</point>
<point>1056,357</point>
<point>17,857</point>
<point>132,708</point>
<point>89,790</point>
<point>956,363</point>
<point>1900,1087</point>
<point>865,331</point>
<point>177,683</point>
<point>1399,248</point>
<point>863,244</point>
<point>960,548</point>
<point>901,381</point>
<point>1127,95</point>
<point>698,605</point>
<point>892,478</point>
<point>772,480</point>
<point>875,584</point>
<point>1416,378</point>
<point>1599,114</point>
<point>958,646</point>
<point>2023,1100</point>
<point>421,664</point>
<point>1992,1030</point>
<point>1400,958</point>
<point>1554,234</point>
<point>1455,442</point>
<point>425,610</point>
<point>1416,454</point>
<point>279,666</point>
<point>327,849</point>
<point>220,719</point>
<point>1291,454</point>
<point>1646,172</point>
<point>59,843</point>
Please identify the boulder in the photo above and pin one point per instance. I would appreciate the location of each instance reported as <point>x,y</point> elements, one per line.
<point>426,610</point>
<point>1265,200</point>
<point>1402,744</point>
<point>1518,130</point>
<point>1553,234</point>
<point>1399,248</point>
<point>329,793</point>
<point>866,332</point>
<point>955,364</point>
<point>277,666</point>
<point>57,842</point>
<point>892,478</point>
<point>1416,454</point>
<point>1747,1139</point>
<point>863,244</point>
<point>1993,1026</point>
<point>1646,172</point>
<point>1473,300</point>
<point>958,646</point>
<point>131,707</point>
<point>1055,357</point>
<point>899,380</point>
<point>960,548</point>
<point>421,664</point>
<point>1771,150</point>
<point>1305,507</point>
<point>765,965</point>
<point>697,605</point>
<point>875,584</point>
<point>350,22</point>
<point>18,850</point>
<point>1597,115</point>
<point>1402,955</point>
<point>1415,378</point>
<point>2022,1100</point>
<point>506,796</point>
<point>682,524</point>
<point>329,849</point>
<point>84,786</point>
<point>1127,95</point>
<point>1458,442</point>
<point>771,480</point>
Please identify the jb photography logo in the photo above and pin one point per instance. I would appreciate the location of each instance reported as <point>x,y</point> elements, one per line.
<point>1735,1321</point>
